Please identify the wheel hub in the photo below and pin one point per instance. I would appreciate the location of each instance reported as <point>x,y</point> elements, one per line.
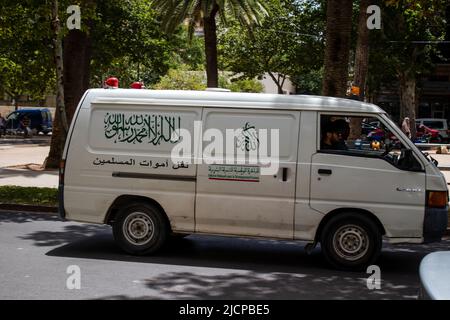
<point>351,242</point>
<point>138,228</point>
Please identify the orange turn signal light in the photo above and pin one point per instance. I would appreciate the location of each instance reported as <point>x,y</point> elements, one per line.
<point>437,199</point>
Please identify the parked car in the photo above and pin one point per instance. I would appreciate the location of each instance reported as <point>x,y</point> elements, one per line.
<point>40,120</point>
<point>437,124</point>
<point>435,276</point>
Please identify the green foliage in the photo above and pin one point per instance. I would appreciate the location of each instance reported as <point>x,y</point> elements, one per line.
<point>406,45</point>
<point>245,85</point>
<point>187,53</point>
<point>29,195</point>
<point>174,13</point>
<point>309,82</point>
<point>26,61</point>
<point>182,79</point>
<point>288,42</point>
<point>127,43</point>
<point>185,79</point>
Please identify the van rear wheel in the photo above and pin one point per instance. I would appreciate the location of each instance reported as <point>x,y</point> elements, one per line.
<point>351,241</point>
<point>140,229</point>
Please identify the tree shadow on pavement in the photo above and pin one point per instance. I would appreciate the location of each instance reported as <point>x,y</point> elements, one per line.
<point>264,269</point>
<point>25,173</point>
<point>71,233</point>
<point>240,268</point>
<point>23,217</point>
<point>273,286</point>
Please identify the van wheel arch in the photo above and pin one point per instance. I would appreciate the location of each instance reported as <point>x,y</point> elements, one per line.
<point>355,211</point>
<point>125,200</point>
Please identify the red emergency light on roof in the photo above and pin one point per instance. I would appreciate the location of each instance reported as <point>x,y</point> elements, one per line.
<point>137,85</point>
<point>112,82</point>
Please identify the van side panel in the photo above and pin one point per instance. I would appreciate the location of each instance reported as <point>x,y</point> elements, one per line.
<point>119,150</point>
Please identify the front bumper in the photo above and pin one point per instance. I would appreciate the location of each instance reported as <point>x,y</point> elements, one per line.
<point>435,224</point>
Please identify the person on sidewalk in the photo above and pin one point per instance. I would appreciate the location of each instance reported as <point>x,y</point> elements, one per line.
<point>406,127</point>
<point>25,126</point>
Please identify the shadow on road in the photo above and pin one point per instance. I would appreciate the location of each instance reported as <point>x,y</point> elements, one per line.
<point>25,173</point>
<point>254,269</point>
<point>23,217</point>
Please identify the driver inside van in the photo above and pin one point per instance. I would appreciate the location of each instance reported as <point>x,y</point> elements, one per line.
<point>334,135</point>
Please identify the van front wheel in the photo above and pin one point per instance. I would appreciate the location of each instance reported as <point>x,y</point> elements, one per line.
<point>351,242</point>
<point>140,229</point>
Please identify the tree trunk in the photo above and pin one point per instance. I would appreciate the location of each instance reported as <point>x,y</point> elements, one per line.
<point>361,64</point>
<point>56,145</point>
<point>408,100</point>
<point>209,26</point>
<point>16,102</point>
<point>362,50</point>
<point>60,126</point>
<point>277,82</point>
<point>76,67</point>
<point>77,57</point>
<point>339,26</point>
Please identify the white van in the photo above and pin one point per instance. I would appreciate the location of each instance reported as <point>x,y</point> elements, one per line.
<point>343,191</point>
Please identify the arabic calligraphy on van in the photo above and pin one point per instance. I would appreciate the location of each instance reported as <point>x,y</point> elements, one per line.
<point>142,128</point>
<point>233,173</point>
<point>248,139</point>
<point>142,163</point>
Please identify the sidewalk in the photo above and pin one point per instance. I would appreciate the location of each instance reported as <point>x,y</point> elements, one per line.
<point>23,154</point>
<point>443,164</point>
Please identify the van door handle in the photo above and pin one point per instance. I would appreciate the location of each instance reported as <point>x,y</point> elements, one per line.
<point>285,172</point>
<point>325,171</point>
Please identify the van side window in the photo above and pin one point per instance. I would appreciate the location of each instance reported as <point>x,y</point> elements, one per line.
<point>361,137</point>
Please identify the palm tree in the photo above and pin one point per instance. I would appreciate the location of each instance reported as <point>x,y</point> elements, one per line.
<point>203,13</point>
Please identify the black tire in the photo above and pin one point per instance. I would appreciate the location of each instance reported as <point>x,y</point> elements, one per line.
<point>140,228</point>
<point>351,241</point>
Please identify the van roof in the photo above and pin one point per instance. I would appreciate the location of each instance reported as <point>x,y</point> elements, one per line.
<point>227,99</point>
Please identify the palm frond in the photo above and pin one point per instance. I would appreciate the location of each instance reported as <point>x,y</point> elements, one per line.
<point>175,12</point>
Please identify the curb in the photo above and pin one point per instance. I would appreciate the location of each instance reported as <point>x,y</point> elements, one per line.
<point>27,208</point>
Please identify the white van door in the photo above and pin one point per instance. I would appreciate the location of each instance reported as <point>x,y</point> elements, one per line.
<point>361,177</point>
<point>240,199</point>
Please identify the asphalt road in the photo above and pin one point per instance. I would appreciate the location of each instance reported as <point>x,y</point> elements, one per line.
<point>36,249</point>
